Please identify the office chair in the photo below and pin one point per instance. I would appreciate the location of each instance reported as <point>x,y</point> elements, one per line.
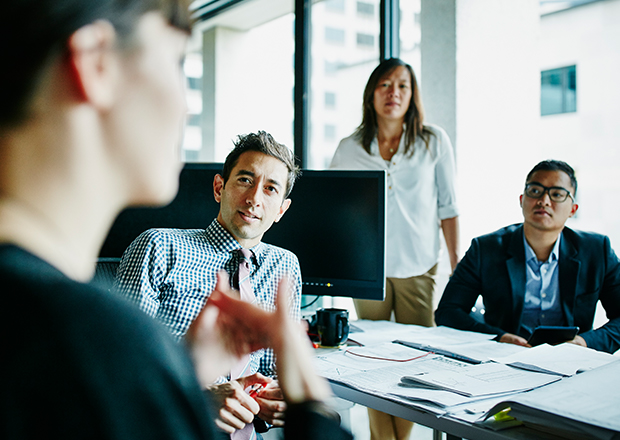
<point>105,272</point>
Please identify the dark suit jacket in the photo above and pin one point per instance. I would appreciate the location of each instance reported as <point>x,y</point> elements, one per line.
<point>494,267</point>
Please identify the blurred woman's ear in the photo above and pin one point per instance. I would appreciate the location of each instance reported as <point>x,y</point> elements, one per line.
<point>93,63</point>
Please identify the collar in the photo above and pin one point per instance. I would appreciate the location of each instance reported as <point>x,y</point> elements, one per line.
<point>553,256</point>
<point>224,242</point>
<point>374,146</point>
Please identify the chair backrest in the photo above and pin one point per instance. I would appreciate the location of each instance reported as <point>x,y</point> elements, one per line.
<point>105,272</point>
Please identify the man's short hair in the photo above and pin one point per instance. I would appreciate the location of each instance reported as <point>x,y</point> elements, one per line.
<point>555,165</point>
<point>264,143</point>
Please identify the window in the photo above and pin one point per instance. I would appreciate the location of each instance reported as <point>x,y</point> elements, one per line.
<point>330,132</point>
<point>558,91</point>
<point>365,40</point>
<point>192,138</point>
<point>334,5</point>
<point>411,34</point>
<point>241,100</point>
<point>341,68</point>
<point>334,35</point>
<point>330,100</point>
<point>366,9</point>
<point>331,68</point>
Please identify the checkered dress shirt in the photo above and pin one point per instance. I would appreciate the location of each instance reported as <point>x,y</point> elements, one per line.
<point>170,272</point>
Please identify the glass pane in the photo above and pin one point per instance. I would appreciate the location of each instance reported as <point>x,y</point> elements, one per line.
<point>410,35</point>
<point>334,35</point>
<point>551,92</point>
<point>364,8</point>
<point>340,69</point>
<point>570,97</point>
<point>192,137</point>
<point>247,82</point>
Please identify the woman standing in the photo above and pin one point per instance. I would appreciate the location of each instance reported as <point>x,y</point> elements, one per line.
<point>419,162</point>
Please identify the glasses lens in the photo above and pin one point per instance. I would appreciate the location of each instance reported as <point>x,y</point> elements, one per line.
<point>558,194</point>
<point>534,191</point>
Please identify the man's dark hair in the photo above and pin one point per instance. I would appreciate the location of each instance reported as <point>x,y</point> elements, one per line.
<point>33,33</point>
<point>555,165</point>
<point>263,143</point>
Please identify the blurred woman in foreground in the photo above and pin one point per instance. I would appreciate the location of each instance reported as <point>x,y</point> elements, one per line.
<point>92,105</point>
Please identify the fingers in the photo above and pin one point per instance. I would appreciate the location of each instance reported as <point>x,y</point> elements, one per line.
<point>579,341</point>
<point>270,393</point>
<point>235,414</point>
<point>245,325</point>
<point>509,338</point>
<point>284,296</point>
<point>255,378</point>
<point>271,411</point>
<point>223,426</point>
<point>236,408</point>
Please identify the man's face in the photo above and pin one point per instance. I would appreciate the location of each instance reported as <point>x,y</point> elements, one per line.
<point>543,214</point>
<point>253,197</point>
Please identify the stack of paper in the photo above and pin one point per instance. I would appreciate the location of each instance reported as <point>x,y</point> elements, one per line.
<point>573,407</point>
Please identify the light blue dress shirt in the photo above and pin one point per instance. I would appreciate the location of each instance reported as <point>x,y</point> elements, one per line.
<point>542,290</point>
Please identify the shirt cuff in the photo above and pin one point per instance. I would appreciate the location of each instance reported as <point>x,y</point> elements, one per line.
<point>449,211</point>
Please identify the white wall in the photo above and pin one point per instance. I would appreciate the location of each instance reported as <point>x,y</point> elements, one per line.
<point>589,139</point>
<point>481,81</point>
<point>498,102</point>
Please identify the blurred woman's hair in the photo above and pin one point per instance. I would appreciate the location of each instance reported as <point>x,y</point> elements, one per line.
<point>33,33</point>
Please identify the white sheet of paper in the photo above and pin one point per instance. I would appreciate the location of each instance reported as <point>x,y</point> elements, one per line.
<point>486,379</point>
<point>564,359</point>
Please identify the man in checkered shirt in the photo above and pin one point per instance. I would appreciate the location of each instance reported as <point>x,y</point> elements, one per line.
<point>170,272</point>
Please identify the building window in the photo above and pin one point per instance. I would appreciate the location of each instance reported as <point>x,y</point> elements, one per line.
<point>330,132</point>
<point>333,35</point>
<point>330,100</point>
<point>558,91</point>
<point>331,67</point>
<point>365,40</point>
<point>365,9</point>
<point>334,5</point>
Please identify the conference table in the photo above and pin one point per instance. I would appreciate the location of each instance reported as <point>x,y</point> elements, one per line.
<point>374,396</point>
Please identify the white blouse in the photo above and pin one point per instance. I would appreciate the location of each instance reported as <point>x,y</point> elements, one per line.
<point>420,193</point>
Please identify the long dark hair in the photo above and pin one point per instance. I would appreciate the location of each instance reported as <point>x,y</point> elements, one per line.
<point>414,117</point>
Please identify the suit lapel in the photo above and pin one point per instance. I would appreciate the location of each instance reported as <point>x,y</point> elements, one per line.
<point>515,264</point>
<point>568,273</point>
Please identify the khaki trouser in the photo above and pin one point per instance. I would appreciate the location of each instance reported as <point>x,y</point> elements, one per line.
<point>411,299</point>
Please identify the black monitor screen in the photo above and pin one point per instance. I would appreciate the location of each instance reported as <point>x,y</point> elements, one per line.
<point>335,226</point>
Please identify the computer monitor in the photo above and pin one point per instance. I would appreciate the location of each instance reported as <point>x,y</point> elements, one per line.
<point>335,226</point>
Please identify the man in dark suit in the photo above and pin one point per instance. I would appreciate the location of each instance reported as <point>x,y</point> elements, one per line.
<point>538,272</point>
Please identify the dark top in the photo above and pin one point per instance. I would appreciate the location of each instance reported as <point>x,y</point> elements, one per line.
<point>494,267</point>
<point>79,362</point>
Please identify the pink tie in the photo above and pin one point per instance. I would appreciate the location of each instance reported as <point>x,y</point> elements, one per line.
<point>241,281</point>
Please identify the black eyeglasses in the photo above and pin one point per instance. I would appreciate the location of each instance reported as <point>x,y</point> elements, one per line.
<point>556,193</point>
